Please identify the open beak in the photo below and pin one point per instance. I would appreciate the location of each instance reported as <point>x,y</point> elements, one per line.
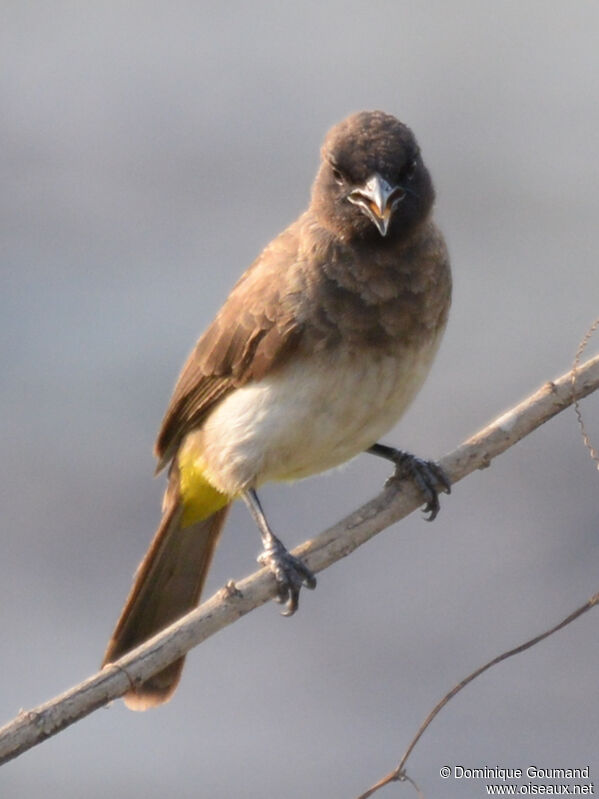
<point>377,199</point>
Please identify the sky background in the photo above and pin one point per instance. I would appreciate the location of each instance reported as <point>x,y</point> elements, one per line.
<point>148,151</point>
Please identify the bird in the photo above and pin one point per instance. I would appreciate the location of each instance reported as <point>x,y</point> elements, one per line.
<point>316,353</point>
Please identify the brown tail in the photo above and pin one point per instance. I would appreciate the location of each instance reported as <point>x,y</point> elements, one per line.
<point>167,585</point>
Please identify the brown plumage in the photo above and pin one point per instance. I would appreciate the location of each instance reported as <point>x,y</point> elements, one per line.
<point>359,283</point>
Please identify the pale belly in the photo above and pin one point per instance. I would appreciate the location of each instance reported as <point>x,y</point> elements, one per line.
<point>309,417</point>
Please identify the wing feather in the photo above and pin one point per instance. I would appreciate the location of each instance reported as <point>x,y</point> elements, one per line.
<point>255,331</point>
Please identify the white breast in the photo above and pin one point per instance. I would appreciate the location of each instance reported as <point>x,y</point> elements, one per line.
<point>310,416</point>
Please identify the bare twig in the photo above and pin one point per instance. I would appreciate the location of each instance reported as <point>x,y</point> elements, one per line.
<point>398,774</point>
<point>226,606</point>
<point>585,436</point>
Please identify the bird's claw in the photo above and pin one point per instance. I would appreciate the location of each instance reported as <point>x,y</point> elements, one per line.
<point>428,477</point>
<point>289,572</point>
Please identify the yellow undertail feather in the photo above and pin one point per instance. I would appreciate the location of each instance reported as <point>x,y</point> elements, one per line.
<point>198,496</point>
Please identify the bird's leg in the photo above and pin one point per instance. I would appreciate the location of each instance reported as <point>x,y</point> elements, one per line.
<point>289,571</point>
<point>428,476</point>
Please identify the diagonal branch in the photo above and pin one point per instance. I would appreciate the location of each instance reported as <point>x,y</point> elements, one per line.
<point>230,603</point>
<point>398,774</point>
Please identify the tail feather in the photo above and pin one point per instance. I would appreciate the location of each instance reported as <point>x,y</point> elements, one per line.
<point>167,585</point>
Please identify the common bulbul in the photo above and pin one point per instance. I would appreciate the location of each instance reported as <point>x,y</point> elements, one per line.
<point>316,353</point>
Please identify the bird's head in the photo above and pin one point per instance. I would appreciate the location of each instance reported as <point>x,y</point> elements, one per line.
<point>372,182</point>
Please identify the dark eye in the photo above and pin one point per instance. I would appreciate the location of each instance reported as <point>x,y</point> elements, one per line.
<point>337,174</point>
<point>409,171</point>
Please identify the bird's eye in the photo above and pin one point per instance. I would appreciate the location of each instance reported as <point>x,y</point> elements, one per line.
<point>337,174</point>
<point>409,171</point>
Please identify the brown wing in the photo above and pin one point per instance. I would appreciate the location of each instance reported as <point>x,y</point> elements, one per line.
<point>255,330</point>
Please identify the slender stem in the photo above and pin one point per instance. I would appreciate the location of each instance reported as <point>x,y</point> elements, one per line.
<point>398,772</point>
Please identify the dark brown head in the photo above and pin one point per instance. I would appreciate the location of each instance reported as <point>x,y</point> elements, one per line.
<point>372,182</point>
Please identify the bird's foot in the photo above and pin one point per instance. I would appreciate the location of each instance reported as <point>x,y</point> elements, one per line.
<point>428,476</point>
<point>289,572</point>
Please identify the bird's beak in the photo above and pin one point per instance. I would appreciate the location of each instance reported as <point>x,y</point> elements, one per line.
<point>377,199</point>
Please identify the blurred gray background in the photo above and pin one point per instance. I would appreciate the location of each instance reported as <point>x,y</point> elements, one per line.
<point>148,151</point>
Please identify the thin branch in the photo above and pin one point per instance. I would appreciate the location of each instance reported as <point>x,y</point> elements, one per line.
<point>394,503</point>
<point>398,774</point>
<point>585,436</point>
